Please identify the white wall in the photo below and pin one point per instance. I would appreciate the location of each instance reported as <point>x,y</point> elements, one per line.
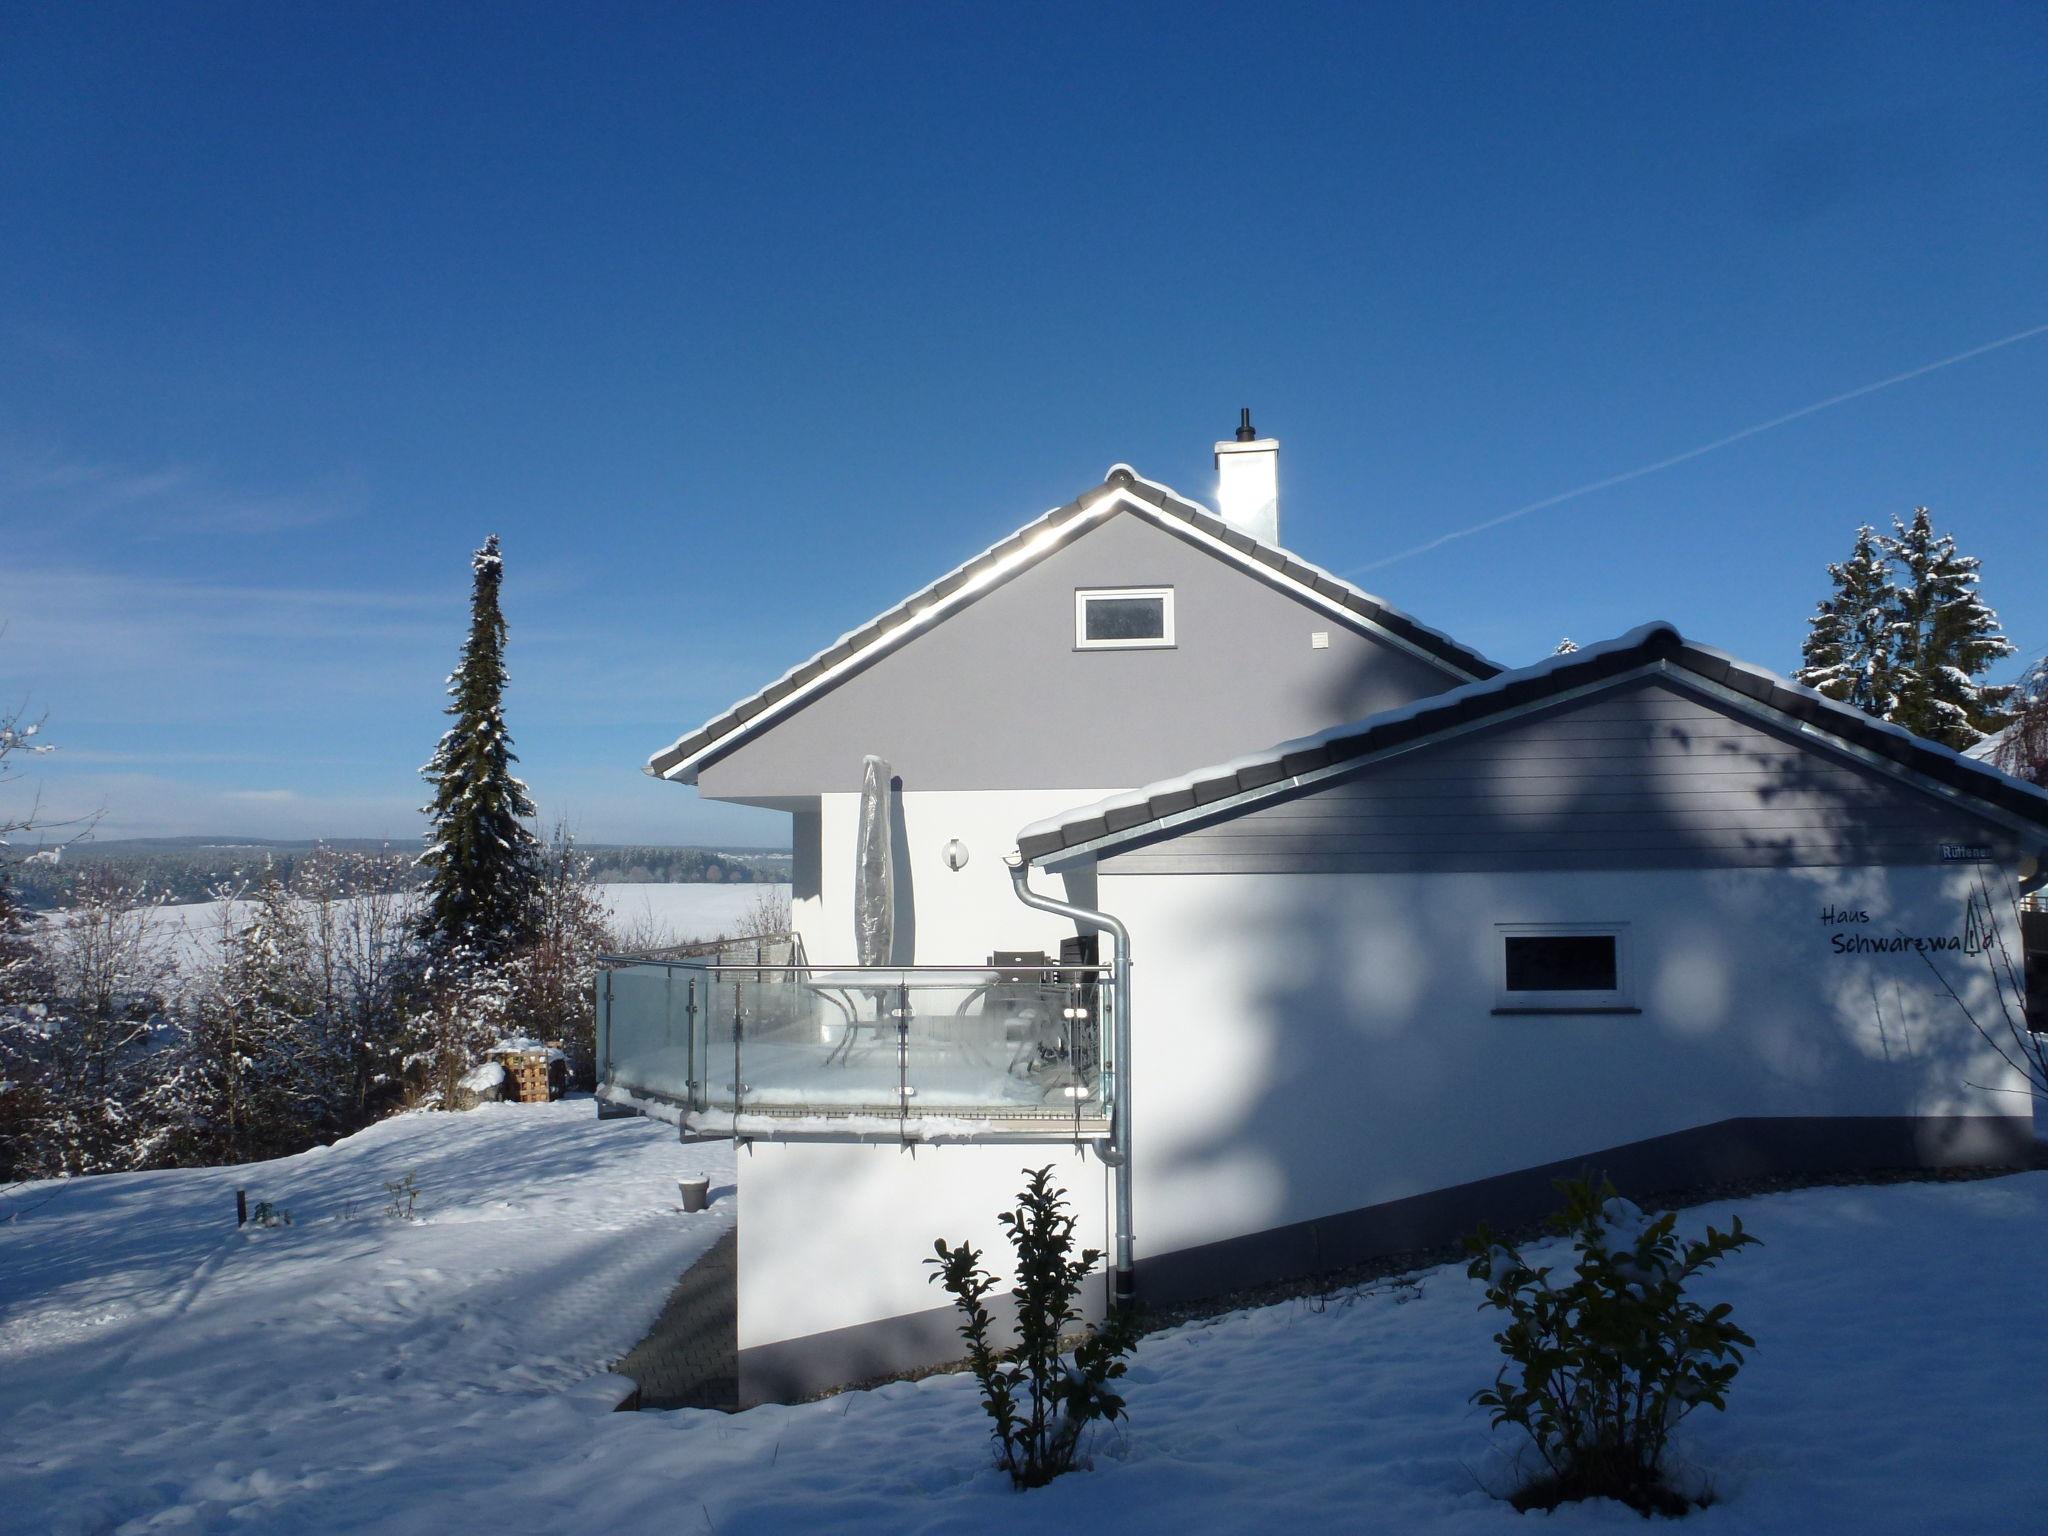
<point>1311,1044</point>
<point>835,1235</point>
<point>944,917</point>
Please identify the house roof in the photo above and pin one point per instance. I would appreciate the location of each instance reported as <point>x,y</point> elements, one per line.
<point>1122,489</point>
<point>1245,782</point>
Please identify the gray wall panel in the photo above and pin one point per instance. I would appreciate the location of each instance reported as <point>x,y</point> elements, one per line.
<point>997,697</point>
<point>1643,777</point>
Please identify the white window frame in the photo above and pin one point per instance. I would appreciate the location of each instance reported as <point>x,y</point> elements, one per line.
<point>1622,999</point>
<point>1082,596</point>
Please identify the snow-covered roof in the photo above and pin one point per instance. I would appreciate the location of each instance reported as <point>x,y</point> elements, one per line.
<point>1281,770</point>
<point>1121,490</point>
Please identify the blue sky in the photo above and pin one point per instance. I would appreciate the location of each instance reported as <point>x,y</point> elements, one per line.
<point>740,322</point>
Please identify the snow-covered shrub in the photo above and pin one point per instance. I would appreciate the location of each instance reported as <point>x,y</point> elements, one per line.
<point>86,1038</point>
<point>1040,1399</point>
<point>767,915</point>
<point>360,913</point>
<point>1605,1363</point>
<point>553,974</point>
<point>462,1007</point>
<point>257,1077</point>
<point>268,1215</point>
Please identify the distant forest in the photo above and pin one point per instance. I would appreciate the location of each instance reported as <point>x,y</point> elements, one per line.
<point>195,869</point>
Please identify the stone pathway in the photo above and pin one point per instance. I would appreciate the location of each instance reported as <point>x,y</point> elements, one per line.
<point>690,1359</point>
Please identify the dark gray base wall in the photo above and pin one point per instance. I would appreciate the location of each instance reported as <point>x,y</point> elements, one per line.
<point>1730,1150</point>
<point>792,1369</point>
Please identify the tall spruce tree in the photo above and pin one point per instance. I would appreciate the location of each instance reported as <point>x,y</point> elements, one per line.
<point>1849,653</point>
<point>482,862</point>
<point>1944,638</point>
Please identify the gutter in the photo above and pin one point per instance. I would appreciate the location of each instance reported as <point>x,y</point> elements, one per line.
<point>1117,1152</point>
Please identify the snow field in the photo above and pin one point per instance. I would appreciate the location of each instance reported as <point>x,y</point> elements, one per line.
<point>160,1372</point>
<point>686,913</point>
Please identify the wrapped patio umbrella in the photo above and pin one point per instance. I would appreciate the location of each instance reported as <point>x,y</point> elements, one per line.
<point>874,875</point>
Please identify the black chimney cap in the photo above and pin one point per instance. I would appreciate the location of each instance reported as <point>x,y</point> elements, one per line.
<point>1245,434</point>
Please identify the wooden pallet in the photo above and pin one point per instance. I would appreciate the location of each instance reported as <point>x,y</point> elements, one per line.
<point>526,1076</point>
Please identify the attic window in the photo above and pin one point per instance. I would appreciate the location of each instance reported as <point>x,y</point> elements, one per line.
<point>1564,968</point>
<point>1123,618</point>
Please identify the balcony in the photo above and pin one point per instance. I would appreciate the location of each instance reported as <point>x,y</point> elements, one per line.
<point>735,1046</point>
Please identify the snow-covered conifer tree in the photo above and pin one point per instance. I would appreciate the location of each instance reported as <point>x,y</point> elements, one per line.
<point>1944,639</point>
<point>1566,647</point>
<point>483,865</point>
<point>1850,648</point>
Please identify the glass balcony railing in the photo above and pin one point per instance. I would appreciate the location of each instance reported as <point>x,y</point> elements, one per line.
<point>921,1052</point>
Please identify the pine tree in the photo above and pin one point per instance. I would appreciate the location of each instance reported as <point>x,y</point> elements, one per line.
<point>1944,639</point>
<point>1849,653</point>
<point>483,864</point>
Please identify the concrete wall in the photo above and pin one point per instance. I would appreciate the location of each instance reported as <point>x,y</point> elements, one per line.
<point>833,1242</point>
<point>1320,1075</point>
<point>998,697</point>
<point>943,916</point>
<point>1313,1044</point>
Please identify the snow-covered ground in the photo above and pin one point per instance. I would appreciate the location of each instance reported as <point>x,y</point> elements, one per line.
<point>673,914</point>
<point>160,1372</point>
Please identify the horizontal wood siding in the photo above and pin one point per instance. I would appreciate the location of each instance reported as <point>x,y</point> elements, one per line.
<point>1646,777</point>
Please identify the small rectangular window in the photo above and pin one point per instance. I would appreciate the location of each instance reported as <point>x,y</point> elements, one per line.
<point>1564,968</point>
<point>1109,618</point>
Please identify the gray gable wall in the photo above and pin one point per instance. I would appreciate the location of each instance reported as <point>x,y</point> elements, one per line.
<point>996,696</point>
<point>1647,776</point>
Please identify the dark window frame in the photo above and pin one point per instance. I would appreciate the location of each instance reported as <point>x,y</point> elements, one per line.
<point>1616,998</point>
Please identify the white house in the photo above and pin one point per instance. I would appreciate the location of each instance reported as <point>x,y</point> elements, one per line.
<point>1641,907</point>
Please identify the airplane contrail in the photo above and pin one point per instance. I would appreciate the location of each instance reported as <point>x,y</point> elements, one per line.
<point>1692,453</point>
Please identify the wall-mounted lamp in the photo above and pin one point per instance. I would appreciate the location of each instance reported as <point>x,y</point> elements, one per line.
<point>955,855</point>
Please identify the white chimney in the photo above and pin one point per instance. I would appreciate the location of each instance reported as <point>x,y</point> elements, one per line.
<point>1248,482</point>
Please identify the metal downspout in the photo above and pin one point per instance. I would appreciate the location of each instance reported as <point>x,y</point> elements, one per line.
<point>1118,1154</point>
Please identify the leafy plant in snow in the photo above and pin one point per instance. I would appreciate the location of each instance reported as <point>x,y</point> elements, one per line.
<point>1040,1399</point>
<point>267,1215</point>
<point>1604,1364</point>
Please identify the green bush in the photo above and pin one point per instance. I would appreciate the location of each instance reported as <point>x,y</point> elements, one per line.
<point>1605,1363</point>
<point>1040,1400</point>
